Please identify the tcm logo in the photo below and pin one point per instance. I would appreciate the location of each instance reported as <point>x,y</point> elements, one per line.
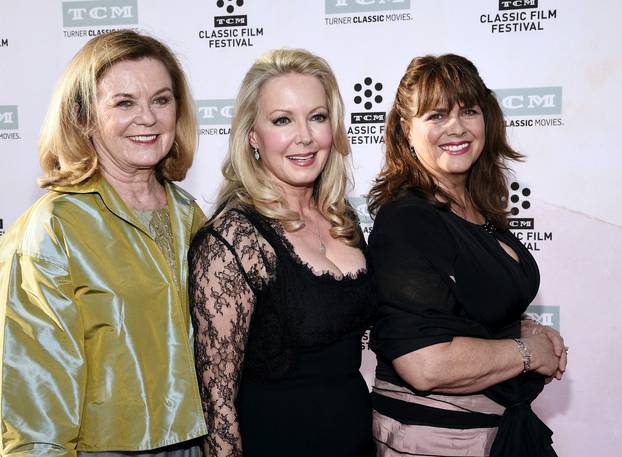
<point>367,93</point>
<point>360,205</point>
<point>215,112</point>
<point>530,101</point>
<point>367,118</point>
<point>363,6</point>
<point>1,228</point>
<point>240,20</point>
<point>230,21</point>
<point>521,223</point>
<point>544,315</point>
<point>8,117</point>
<point>517,4</point>
<point>100,12</point>
<point>4,42</point>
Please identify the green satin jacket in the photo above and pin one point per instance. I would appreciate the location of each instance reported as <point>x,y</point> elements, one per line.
<point>95,335</point>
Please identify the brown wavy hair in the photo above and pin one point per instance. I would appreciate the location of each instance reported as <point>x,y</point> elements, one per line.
<point>446,80</point>
<point>66,152</point>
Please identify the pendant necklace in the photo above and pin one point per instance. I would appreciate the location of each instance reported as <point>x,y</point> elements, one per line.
<point>317,233</point>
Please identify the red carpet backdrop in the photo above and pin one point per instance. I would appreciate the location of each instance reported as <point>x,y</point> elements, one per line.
<point>553,64</point>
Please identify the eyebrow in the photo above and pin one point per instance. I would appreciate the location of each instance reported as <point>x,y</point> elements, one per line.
<point>128,95</point>
<point>287,111</point>
<point>438,108</point>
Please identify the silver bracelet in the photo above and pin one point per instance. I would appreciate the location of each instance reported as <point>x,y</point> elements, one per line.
<point>522,348</point>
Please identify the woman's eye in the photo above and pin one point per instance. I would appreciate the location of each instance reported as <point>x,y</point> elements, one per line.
<point>281,120</point>
<point>470,111</point>
<point>124,103</point>
<point>319,117</point>
<point>436,116</point>
<point>162,100</point>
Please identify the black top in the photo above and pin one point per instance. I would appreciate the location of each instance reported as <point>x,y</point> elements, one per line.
<point>440,276</point>
<point>437,274</point>
<point>290,340</point>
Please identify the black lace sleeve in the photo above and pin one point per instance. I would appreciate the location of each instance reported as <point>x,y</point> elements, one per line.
<point>228,264</point>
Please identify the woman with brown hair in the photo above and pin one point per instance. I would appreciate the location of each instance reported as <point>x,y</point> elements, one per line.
<point>457,368</point>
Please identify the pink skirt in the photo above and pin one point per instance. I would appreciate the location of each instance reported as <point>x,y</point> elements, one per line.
<point>394,439</point>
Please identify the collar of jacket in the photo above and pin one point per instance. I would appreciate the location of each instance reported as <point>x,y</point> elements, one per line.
<point>112,201</point>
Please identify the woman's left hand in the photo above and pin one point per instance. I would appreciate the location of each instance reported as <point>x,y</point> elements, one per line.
<point>531,327</point>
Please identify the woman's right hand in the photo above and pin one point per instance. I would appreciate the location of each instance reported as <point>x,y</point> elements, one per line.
<point>544,359</point>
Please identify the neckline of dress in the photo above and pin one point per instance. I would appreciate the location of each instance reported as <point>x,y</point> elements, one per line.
<point>497,239</point>
<point>326,275</point>
<point>476,224</point>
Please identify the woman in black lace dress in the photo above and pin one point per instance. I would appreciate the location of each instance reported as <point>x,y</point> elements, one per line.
<point>279,285</point>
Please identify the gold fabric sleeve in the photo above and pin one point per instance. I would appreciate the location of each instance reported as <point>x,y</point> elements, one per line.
<point>43,369</point>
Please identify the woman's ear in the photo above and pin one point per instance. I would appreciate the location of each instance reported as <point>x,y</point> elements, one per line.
<point>251,138</point>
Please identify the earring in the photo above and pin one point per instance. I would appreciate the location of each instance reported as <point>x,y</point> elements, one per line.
<point>414,153</point>
<point>256,153</point>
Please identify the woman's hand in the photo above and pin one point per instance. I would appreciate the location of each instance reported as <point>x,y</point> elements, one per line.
<point>530,328</point>
<point>544,360</point>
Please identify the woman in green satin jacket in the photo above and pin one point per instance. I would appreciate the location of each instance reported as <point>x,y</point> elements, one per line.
<point>95,335</point>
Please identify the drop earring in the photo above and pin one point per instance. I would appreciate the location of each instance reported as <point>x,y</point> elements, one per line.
<point>414,153</point>
<point>256,153</point>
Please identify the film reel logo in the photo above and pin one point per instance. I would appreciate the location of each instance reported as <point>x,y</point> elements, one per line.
<point>368,94</point>
<point>229,5</point>
<point>518,198</point>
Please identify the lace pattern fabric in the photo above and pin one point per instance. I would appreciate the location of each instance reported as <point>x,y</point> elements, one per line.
<point>254,302</point>
<point>228,263</point>
<point>158,223</point>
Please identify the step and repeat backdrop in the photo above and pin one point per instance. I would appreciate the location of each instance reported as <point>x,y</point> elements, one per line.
<point>555,66</point>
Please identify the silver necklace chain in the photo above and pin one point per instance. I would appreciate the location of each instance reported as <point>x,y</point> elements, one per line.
<point>319,237</point>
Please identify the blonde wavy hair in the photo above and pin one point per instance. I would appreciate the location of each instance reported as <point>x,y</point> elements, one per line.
<point>245,179</point>
<point>66,152</point>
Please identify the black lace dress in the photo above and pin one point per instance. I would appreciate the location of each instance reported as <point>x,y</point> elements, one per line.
<point>278,346</point>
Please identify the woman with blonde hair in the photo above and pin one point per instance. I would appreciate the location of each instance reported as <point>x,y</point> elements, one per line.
<point>457,369</point>
<point>96,335</point>
<point>279,287</point>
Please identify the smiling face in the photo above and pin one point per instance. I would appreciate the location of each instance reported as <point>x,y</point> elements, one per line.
<point>292,130</point>
<point>136,116</point>
<point>447,142</point>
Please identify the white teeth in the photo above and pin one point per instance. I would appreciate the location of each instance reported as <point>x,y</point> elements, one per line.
<point>455,148</point>
<point>143,137</point>
<point>305,157</point>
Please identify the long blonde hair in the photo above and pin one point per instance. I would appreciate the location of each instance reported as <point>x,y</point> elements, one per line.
<point>66,153</point>
<point>246,181</point>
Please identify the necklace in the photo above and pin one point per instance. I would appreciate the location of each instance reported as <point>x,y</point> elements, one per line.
<point>489,227</point>
<point>317,233</point>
